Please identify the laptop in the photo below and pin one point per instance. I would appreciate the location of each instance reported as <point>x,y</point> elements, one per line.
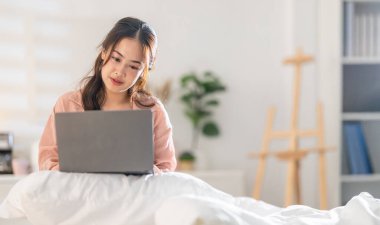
<point>105,141</point>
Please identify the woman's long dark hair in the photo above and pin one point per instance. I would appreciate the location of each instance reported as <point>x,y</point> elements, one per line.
<point>93,91</point>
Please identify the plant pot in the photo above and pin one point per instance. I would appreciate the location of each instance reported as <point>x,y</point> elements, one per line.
<point>186,165</point>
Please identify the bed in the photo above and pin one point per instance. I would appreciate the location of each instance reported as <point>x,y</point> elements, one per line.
<point>51,197</point>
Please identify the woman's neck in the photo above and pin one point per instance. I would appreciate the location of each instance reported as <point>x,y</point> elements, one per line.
<point>117,101</point>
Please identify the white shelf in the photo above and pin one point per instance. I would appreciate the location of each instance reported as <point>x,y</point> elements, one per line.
<point>360,60</point>
<point>361,0</point>
<point>361,116</point>
<point>359,35</point>
<point>360,178</point>
<point>5,178</point>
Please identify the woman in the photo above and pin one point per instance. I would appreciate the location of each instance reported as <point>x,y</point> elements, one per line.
<point>117,82</point>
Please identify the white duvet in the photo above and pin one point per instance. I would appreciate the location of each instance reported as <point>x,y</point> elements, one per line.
<point>166,199</point>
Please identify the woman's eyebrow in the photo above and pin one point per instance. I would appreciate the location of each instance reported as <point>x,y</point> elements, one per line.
<point>118,53</point>
<point>135,61</point>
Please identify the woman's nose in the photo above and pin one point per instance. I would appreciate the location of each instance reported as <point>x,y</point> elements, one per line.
<point>121,71</point>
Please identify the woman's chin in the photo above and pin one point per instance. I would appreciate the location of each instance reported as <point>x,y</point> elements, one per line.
<point>114,90</point>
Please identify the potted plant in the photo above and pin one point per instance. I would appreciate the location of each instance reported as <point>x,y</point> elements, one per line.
<point>199,101</point>
<point>186,160</point>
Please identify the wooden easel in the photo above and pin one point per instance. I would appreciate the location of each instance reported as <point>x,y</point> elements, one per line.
<point>294,154</point>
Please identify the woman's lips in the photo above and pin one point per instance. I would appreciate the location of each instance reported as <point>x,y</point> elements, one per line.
<point>116,82</point>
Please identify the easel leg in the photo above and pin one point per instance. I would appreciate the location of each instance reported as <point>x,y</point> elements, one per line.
<point>259,179</point>
<point>322,159</point>
<point>322,182</point>
<point>297,183</point>
<point>290,184</point>
<point>262,162</point>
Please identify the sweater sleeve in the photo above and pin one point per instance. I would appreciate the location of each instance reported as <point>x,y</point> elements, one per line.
<point>48,151</point>
<point>164,151</point>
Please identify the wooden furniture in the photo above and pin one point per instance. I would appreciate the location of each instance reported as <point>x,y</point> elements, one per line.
<point>294,153</point>
<point>360,88</point>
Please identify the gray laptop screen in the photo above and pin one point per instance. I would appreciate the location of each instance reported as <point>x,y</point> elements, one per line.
<point>105,141</point>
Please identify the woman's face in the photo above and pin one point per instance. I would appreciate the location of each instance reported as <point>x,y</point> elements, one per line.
<point>125,65</point>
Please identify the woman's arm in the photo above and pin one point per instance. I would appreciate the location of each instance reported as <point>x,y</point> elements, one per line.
<point>48,152</point>
<point>164,151</point>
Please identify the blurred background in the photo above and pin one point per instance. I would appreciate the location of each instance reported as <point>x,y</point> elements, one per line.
<point>46,47</point>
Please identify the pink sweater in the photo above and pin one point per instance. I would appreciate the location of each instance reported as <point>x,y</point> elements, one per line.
<point>164,153</point>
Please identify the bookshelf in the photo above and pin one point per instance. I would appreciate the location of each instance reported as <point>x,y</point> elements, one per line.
<point>360,66</point>
<point>362,116</point>
<point>360,60</point>
<point>360,178</point>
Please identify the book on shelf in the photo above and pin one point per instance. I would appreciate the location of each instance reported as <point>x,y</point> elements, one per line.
<point>363,35</point>
<point>348,28</point>
<point>356,149</point>
<point>361,31</point>
<point>371,35</point>
<point>377,34</point>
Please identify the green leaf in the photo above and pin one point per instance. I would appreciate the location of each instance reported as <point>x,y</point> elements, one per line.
<point>210,129</point>
<point>203,113</point>
<point>193,116</point>
<point>212,102</point>
<point>189,78</point>
<point>212,86</point>
<point>196,115</point>
<point>188,97</point>
<point>187,156</point>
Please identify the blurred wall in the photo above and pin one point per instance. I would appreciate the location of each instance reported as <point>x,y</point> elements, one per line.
<point>46,47</point>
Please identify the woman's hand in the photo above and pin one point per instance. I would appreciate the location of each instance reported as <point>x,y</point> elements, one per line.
<point>156,170</point>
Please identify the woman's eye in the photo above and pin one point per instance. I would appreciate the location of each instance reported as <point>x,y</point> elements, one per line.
<point>134,67</point>
<point>115,58</point>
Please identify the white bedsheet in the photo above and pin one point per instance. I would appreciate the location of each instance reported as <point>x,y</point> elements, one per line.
<point>165,199</point>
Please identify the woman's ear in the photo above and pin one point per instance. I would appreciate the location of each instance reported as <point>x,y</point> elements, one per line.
<point>152,63</point>
<point>103,54</point>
